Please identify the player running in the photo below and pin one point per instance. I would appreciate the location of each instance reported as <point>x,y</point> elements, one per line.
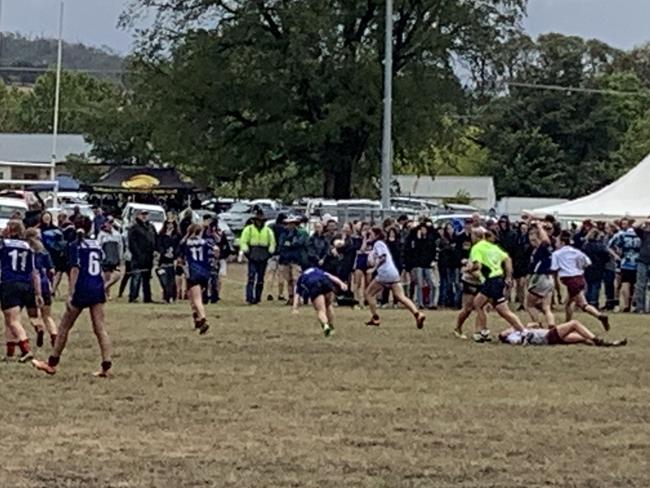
<point>20,287</point>
<point>495,267</point>
<point>199,254</point>
<point>540,286</point>
<point>387,276</point>
<point>87,291</point>
<point>570,263</point>
<point>45,268</point>
<point>318,286</point>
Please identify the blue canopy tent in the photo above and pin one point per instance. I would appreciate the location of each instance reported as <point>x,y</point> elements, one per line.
<point>66,183</point>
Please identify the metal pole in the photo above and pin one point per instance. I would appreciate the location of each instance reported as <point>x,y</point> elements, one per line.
<point>57,101</point>
<point>386,149</point>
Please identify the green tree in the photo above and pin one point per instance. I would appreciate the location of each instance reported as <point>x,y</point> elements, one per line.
<point>561,142</point>
<point>243,87</point>
<point>82,97</point>
<point>10,99</point>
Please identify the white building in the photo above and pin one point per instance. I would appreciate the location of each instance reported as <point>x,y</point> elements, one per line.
<point>28,156</point>
<point>479,189</point>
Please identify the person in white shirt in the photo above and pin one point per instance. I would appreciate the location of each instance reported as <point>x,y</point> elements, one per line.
<point>569,264</point>
<point>387,276</point>
<point>572,332</point>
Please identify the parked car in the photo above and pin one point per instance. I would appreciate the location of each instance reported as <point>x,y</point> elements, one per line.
<point>157,215</point>
<point>8,208</point>
<point>241,211</point>
<point>197,218</point>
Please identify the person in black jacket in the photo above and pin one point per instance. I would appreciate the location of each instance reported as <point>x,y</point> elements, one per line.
<point>423,255</point>
<point>595,248</point>
<point>169,240</point>
<point>142,244</point>
<point>318,247</point>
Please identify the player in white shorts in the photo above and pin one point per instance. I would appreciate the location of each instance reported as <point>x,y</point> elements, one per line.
<point>386,276</point>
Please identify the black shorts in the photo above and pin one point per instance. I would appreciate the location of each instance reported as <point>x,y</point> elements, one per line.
<point>202,282</point>
<point>361,262</point>
<point>179,271</point>
<point>17,294</point>
<point>628,276</point>
<point>47,299</point>
<point>470,288</point>
<point>323,287</point>
<point>81,300</point>
<point>109,268</point>
<point>494,289</point>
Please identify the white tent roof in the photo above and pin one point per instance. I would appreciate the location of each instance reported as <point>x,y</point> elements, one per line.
<point>629,196</point>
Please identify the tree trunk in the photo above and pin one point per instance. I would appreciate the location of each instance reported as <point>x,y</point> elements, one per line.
<point>337,181</point>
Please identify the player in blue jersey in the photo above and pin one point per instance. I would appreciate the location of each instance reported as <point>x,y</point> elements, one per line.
<point>20,286</point>
<point>45,268</point>
<point>87,291</point>
<point>198,254</point>
<point>318,286</point>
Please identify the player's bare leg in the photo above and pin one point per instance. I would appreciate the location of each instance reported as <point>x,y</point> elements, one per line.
<point>50,324</point>
<point>70,315</point>
<point>400,296</point>
<point>37,324</point>
<point>195,295</point>
<point>320,305</point>
<point>15,327</point>
<point>370,295</point>
<point>465,312</point>
<point>105,347</point>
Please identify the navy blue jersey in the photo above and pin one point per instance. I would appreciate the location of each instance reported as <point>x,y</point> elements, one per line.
<point>311,279</point>
<point>198,253</point>
<point>86,255</point>
<point>16,261</point>
<point>540,261</point>
<point>44,264</point>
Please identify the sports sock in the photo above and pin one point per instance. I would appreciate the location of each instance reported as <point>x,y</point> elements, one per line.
<point>11,349</point>
<point>52,339</point>
<point>24,346</point>
<point>53,361</point>
<point>106,365</point>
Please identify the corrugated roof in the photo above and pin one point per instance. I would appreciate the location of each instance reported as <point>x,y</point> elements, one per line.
<point>37,148</point>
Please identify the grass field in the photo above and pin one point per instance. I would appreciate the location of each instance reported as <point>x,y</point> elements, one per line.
<point>264,400</point>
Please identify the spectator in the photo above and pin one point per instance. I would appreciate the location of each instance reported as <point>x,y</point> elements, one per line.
<point>99,220</point>
<point>626,244</point>
<point>423,249</point>
<point>169,240</point>
<point>112,245</point>
<point>643,268</point>
<point>273,269</point>
<point>597,251</point>
<point>257,242</point>
<point>142,244</point>
<point>319,246</point>
<point>449,269</point>
<point>292,249</point>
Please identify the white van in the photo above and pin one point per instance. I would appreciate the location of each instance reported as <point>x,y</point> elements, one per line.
<point>8,207</point>
<point>157,215</point>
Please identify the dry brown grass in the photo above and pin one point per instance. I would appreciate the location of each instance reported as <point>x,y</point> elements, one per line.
<point>263,400</point>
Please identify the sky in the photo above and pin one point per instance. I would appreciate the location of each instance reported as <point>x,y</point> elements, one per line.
<point>621,23</point>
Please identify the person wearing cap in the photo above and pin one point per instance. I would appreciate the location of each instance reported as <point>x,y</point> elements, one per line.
<point>292,250</point>
<point>99,220</point>
<point>111,244</point>
<point>257,243</point>
<point>142,245</point>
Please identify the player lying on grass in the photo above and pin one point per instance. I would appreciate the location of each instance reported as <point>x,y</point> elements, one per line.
<point>87,286</point>
<point>318,286</point>
<point>572,332</point>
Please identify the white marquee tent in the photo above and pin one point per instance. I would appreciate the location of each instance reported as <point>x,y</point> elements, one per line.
<point>628,196</point>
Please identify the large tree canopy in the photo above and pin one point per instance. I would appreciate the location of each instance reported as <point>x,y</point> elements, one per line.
<point>242,87</point>
<point>545,139</point>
